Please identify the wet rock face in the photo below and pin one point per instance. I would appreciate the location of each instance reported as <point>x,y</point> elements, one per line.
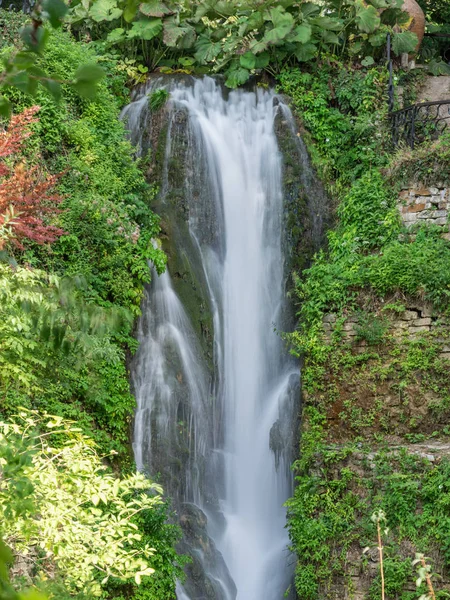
<point>283,435</point>
<point>205,557</point>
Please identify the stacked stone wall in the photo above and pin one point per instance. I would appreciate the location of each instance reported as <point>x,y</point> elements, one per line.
<point>413,322</point>
<point>420,204</point>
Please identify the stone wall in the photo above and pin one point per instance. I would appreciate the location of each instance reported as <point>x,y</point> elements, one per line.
<point>420,204</point>
<point>413,322</point>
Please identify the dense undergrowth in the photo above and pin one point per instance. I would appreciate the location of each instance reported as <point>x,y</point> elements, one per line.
<point>372,267</point>
<point>66,317</point>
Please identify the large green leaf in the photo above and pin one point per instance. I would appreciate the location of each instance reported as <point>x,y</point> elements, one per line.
<point>154,8</point>
<point>35,40</point>
<point>206,50</point>
<point>176,36</point>
<point>237,77</point>
<point>379,3</point>
<point>283,24</point>
<point>329,37</point>
<point>87,78</point>
<point>328,23</point>
<point>105,10</point>
<point>309,8</point>
<point>255,21</point>
<point>305,52</point>
<point>54,11</point>
<point>257,46</point>
<point>378,38</point>
<point>145,29</point>
<point>130,10</point>
<point>262,60</point>
<point>406,41</point>
<point>248,60</point>
<point>116,35</point>
<point>367,18</point>
<point>394,16</point>
<point>301,33</point>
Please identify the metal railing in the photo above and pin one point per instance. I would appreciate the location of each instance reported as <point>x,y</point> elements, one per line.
<point>419,122</point>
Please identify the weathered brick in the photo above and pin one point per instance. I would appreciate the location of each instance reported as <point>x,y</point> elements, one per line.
<point>427,311</point>
<point>331,318</point>
<point>413,208</point>
<point>423,191</point>
<point>421,322</point>
<point>438,213</point>
<point>408,315</point>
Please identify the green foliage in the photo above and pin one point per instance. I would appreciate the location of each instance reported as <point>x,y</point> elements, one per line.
<point>158,98</point>
<point>370,328</point>
<point>108,243</point>
<point>61,500</point>
<point>366,250</point>
<point>21,69</point>
<point>240,38</point>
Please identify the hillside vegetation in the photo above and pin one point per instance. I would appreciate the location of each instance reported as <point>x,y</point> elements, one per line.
<point>77,236</point>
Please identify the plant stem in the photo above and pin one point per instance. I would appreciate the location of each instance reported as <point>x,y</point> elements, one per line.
<point>428,578</point>
<point>380,550</point>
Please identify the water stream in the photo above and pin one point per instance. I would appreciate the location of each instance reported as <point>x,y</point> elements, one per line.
<point>215,427</point>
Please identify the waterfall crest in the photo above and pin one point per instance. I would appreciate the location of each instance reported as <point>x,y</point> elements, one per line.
<point>218,423</point>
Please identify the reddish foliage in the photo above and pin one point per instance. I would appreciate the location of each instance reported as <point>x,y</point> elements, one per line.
<point>25,198</point>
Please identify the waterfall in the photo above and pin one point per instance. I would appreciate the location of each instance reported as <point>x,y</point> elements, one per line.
<point>217,424</point>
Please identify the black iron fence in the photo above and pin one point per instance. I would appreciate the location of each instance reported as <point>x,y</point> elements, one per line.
<point>415,124</point>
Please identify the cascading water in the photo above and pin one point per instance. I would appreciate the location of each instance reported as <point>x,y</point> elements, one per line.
<point>216,429</point>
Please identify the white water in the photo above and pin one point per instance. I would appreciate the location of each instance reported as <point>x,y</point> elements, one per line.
<point>246,288</point>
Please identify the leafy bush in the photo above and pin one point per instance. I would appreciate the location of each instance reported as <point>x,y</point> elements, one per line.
<point>64,509</point>
<point>109,232</point>
<point>240,38</point>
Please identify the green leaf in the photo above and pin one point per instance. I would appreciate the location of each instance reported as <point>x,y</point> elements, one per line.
<point>248,60</point>
<point>54,11</point>
<point>23,82</point>
<point>327,23</point>
<point>104,10</point>
<point>394,16</point>
<point>130,10</point>
<point>175,36</point>
<point>367,18</point>
<point>34,39</point>
<point>302,34</point>
<point>330,37</point>
<point>186,61</point>
<point>406,41</point>
<point>379,3</point>
<point>53,87</point>
<point>368,61</point>
<point>262,60</point>
<point>24,60</point>
<point>5,107</point>
<point>87,78</point>
<point>283,24</point>
<point>116,35</point>
<point>255,21</point>
<point>305,52</point>
<point>145,29</point>
<point>378,38</point>
<point>206,51</point>
<point>154,8</point>
<point>438,67</point>
<point>309,8</point>
<point>258,46</point>
<point>237,77</point>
